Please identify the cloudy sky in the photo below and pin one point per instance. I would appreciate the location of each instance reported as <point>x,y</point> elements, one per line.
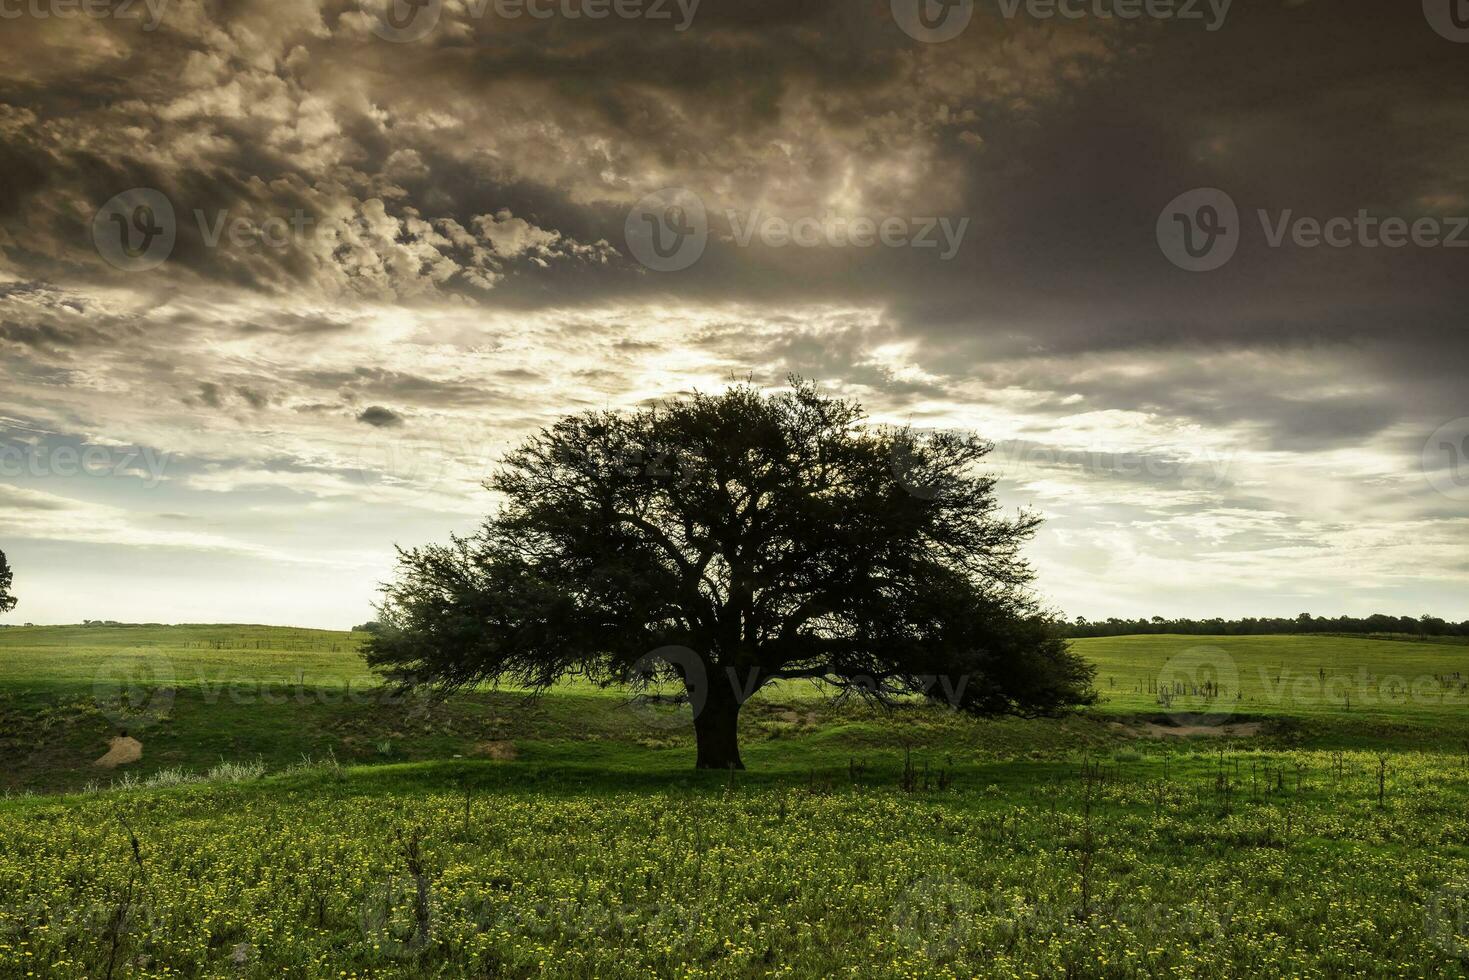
<point>280,279</point>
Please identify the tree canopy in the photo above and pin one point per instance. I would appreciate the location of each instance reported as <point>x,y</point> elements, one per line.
<point>7,601</point>
<point>730,540</point>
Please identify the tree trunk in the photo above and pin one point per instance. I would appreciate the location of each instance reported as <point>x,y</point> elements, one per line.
<point>716,730</point>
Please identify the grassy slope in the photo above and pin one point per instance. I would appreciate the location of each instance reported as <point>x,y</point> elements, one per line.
<point>599,853</point>
<point>198,695</point>
<point>1331,690</point>
<point>246,693</point>
<point>72,657</point>
<point>1290,675</point>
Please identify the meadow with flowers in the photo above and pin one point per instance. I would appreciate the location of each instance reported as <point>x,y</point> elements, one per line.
<point>270,833</point>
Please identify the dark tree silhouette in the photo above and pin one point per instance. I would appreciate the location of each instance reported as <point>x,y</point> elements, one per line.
<point>726,541</point>
<point>7,601</point>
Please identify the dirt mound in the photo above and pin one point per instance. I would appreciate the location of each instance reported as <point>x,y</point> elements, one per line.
<point>120,752</point>
<point>500,751</point>
<point>1242,729</point>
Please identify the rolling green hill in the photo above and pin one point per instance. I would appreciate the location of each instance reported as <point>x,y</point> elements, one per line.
<point>290,818</point>
<point>199,695</point>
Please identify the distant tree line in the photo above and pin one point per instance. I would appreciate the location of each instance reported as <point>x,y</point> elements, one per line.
<point>1250,626</point>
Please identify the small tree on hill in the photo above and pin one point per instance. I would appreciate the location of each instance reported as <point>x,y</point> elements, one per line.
<point>726,541</point>
<point>7,601</point>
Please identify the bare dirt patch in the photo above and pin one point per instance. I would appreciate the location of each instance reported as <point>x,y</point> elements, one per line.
<point>1243,729</point>
<point>500,751</point>
<point>120,752</point>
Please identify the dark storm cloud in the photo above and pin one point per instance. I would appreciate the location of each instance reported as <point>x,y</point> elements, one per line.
<point>47,336</point>
<point>1323,109</point>
<point>439,227</point>
<point>56,328</point>
<point>254,123</point>
<point>379,417</point>
<point>255,399</point>
<point>210,395</point>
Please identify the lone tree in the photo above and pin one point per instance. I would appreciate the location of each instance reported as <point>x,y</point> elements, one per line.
<point>727,541</point>
<point>7,601</point>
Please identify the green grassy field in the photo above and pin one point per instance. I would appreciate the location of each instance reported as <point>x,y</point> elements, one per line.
<point>1333,691</point>
<point>290,818</point>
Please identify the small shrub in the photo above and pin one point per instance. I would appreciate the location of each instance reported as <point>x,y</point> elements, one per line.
<point>237,772</point>
<point>164,778</point>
